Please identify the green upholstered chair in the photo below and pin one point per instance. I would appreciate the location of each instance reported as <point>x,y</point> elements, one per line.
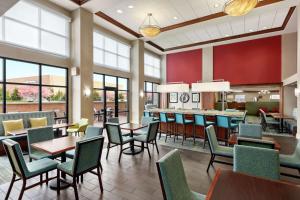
<point>115,138</point>
<point>39,135</point>
<point>216,149</point>
<point>181,120</point>
<point>256,161</point>
<point>86,159</point>
<point>250,130</point>
<point>113,120</point>
<point>79,127</point>
<point>169,121</point>
<point>238,120</point>
<point>291,161</point>
<point>268,121</point>
<point>226,123</point>
<point>255,142</point>
<point>173,180</point>
<point>26,170</point>
<point>145,121</point>
<point>150,137</point>
<point>200,120</point>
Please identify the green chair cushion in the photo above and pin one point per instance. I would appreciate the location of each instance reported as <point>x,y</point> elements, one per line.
<point>141,131</point>
<point>197,196</point>
<point>70,154</point>
<point>66,167</point>
<point>290,160</point>
<point>127,139</point>
<point>224,151</point>
<point>41,166</point>
<point>234,125</point>
<point>140,138</point>
<point>36,155</point>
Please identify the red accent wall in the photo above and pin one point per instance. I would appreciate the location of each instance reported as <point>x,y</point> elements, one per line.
<point>184,66</point>
<point>250,62</point>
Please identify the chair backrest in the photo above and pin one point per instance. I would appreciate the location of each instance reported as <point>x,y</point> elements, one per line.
<point>163,117</point>
<point>147,120</point>
<point>15,157</point>
<point>250,130</point>
<point>263,115</point>
<point>256,161</point>
<point>223,121</point>
<point>87,154</point>
<point>147,114</point>
<point>172,177</point>
<point>39,135</point>
<point>245,115</point>
<point>114,133</point>
<point>255,143</point>
<point>212,138</point>
<point>83,122</point>
<point>152,130</point>
<point>93,131</point>
<point>179,118</point>
<point>113,120</point>
<point>200,120</point>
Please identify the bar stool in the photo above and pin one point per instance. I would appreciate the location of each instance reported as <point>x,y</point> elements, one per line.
<point>180,120</point>
<point>150,114</point>
<point>163,117</point>
<point>225,122</point>
<point>200,120</point>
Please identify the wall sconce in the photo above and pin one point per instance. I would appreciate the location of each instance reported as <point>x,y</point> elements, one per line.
<point>297,92</point>
<point>87,92</point>
<point>142,94</point>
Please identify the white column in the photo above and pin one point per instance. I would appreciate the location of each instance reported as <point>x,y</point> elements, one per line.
<point>163,97</point>
<point>298,71</point>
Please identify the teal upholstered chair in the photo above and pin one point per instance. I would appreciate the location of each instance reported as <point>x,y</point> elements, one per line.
<point>150,137</point>
<point>169,121</point>
<point>26,170</point>
<point>87,158</point>
<point>256,161</point>
<point>115,138</point>
<point>147,114</point>
<point>250,130</point>
<point>145,121</point>
<point>268,121</point>
<point>216,149</point>
<point>173,180</point>
<point>39,135</point>
<point>226,123</point>
<point>200,120</point>
<point>180,120</point>
<point>291,161</point>
<point>238,120</point>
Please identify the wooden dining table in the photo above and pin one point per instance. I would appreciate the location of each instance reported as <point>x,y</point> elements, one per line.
<point>236,186</point>
<point>58,146</point>
<point>131,127</point>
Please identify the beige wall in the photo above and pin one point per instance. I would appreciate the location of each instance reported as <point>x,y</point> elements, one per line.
<point>289,55</point>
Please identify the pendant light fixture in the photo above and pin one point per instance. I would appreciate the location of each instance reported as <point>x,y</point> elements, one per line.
<point>149,28</point>
<point>239,7</point>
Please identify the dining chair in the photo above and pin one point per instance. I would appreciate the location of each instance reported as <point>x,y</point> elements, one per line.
<point>225,122</point>
<point>250,130</point>
<point>216,149</point>
<point>173,180</point>
<point>268,121</point>
<point>181,120</point>
<point>82,163</point>
<point>200,120</point>
<point>144,121</point>
<point>256,161</point>
<point>79,127</point>
<point>256,142</point>
<point>169,121</point>
<point>150,137</point>
<point>116,138</point>
<point>39,135</point>
<point>291,161</point>
<point>25,170</point>
<point>238,120</point>
<point>147,114</point>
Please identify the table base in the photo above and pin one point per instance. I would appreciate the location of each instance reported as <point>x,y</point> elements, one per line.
<point>63,185</point>
<point>133,151</point>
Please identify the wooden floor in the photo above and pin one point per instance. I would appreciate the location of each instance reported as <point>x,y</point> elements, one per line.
<point>135,178</point>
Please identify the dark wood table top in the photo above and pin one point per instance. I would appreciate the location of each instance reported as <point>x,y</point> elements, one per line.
<point>233,140</point>
<point>236,186</point>
<point>132,126</point>
<point>57,145</point>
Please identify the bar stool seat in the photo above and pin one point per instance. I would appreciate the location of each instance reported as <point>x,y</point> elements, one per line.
<point>180,120</point>
<point>164,118</point>
<point>200,120</point>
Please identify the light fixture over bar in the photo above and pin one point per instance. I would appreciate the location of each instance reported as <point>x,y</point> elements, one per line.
<point>215,86</point>
<point>173,87</point>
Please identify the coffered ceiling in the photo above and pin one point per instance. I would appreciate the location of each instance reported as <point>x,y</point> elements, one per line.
<point>189,23</point>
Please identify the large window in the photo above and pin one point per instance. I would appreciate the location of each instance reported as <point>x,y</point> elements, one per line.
<point>151,95</point>
<point>112,92</point>
<point>111,53</point>
<point>27,87</point>
<point>27,24</point>
<point>152,66</point>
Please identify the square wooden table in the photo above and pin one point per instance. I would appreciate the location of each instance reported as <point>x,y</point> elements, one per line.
<point>132,127</point>
<point>236,186</point>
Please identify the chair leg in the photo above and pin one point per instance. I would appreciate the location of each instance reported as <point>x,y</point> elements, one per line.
<point>47,178</point>
<point>81,178</point>
<point>148,150</point>
<point>120,154</point>
<point>41,179</point>
<point>167,132</point>
<point>100,180</point>
<point>210,162</point>
<point>194,134</point>
<point>156,147</point>
<point>75,188</point>
<point>10,186</point>
<point>204,137</point>
<point>58,182</point>
<point>23,189</point>
<point>101,167</point>
<point>108,147</point>
<point>184,134</point>
<point>159,131</point>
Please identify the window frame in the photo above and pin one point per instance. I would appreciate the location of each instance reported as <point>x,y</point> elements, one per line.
<point>152,66</point>
<point>152,93</point>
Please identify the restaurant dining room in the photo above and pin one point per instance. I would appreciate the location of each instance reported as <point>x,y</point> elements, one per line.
<point>149,99</point>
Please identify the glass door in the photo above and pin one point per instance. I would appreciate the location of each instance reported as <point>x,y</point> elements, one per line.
<point>110,103</point>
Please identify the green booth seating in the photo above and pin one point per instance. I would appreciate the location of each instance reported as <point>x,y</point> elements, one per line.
<point>26,170</point>
<point>256,161</point>
<point>82,163</point>
<point>253,107</point>
<point>149,137</point>
<point>216,149</point>
<point>291,161</point>
<point>173,180</point>
<point>250,130</point>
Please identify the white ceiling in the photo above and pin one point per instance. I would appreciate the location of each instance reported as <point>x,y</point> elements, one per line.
<point>164,11</point>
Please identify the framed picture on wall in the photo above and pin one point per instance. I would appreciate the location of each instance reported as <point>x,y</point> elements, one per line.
<point>195,97</point>
<point>173,97</point>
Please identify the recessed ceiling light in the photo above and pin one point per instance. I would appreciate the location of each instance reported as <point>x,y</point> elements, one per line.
<point>250,30</point>
<point>175,18</point>
<point>130,6</point>
<point>216,5</point>
<point>120,11</point>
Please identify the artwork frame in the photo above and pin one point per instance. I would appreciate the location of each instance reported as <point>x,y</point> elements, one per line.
<point>173,97</point>
<point>196,97</point>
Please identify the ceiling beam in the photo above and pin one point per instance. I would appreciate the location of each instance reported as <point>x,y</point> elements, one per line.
<point>80,2</point>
